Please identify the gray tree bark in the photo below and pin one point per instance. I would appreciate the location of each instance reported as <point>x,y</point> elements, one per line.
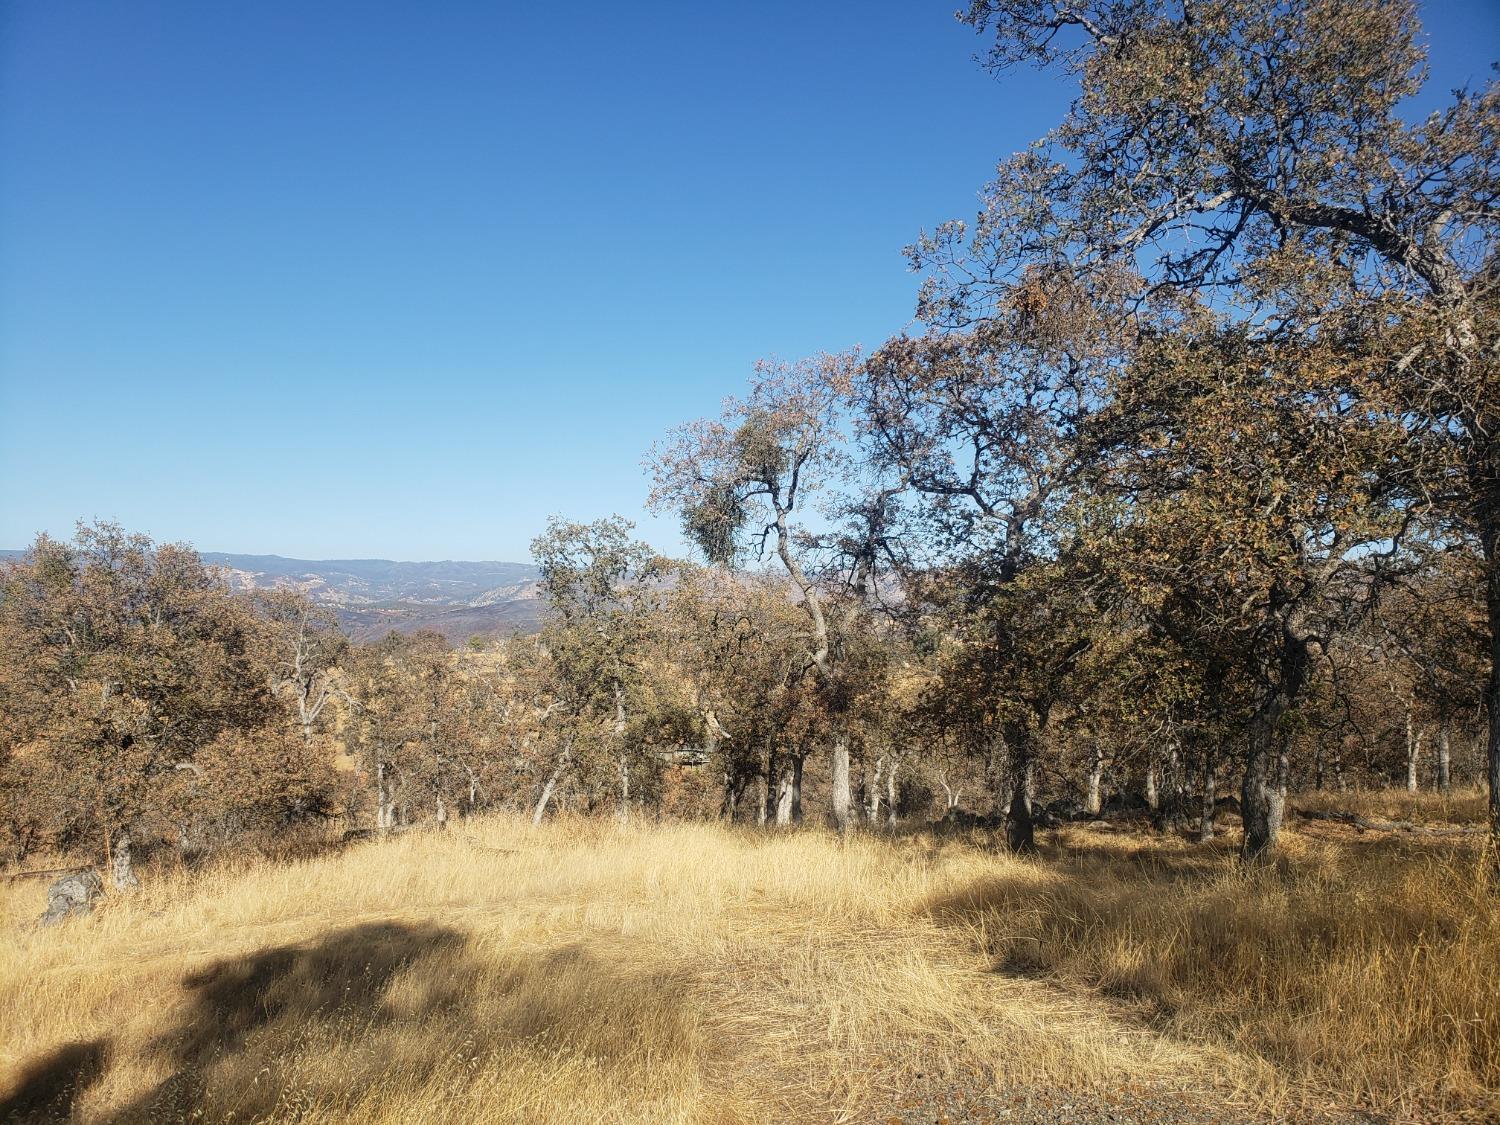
<point>997,775</point>
<point>1444,760</point>
<point>872,790</point>
<point>1263,792</point>
<point>841,804</point>
<point>122,871</point>
<point>1256,808</point>
<point>1413,752</point>
<point>784,798</point>
<point>385,812</point>
<point>1487,488</point>
<point>1206,815</point>
<point>1020,829</point>
<point>1283,780</point>
<point>623,752</point>
<point>551,786</point>
<point>1093,802</point>
<point>729,805</point>
<point>1263,795</point>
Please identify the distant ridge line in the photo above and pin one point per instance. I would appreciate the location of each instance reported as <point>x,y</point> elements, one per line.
<point>373,597</point>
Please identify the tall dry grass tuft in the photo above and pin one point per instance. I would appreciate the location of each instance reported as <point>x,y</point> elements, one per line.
<point>1462,805</point>
<point>1365,967</point>
<point>689,973</point>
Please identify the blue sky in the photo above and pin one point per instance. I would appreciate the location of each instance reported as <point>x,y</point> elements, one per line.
<point>399,280</point>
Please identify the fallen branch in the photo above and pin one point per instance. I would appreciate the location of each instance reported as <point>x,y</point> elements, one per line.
<point>50,871</point>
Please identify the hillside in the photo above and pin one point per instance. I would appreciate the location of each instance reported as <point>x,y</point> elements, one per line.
<point>373,597</point>
<point>376,596</point>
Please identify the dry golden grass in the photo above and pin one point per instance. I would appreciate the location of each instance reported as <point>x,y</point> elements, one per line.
<point>686,973</point>
<point>1362,966</point>
<point>1465,805</point>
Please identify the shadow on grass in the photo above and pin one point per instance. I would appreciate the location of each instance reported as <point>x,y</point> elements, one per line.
<point>1119,922</point>
<point>318,1025</point>
<point>1160,924</point>
<point>343,978</point>
<point>1151,862</point>
<point>49,1086</point>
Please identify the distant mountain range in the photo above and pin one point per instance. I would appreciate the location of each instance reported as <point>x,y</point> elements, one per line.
<point>373,597</point>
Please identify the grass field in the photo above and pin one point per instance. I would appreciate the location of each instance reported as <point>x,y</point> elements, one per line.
<point>689,973</point>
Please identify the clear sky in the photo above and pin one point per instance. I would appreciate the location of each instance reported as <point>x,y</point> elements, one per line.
<point>359,278</point>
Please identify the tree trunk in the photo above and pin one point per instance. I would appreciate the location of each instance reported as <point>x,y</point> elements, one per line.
<point>770,788</point>
<point>1444,760</point>
<point>1490,535</point>
<point>784,796</point>
<point>1262,798</point>
<point>385,812</point>
<point>442,814</point>
<point>1206,816</point>
<point>1283,781</point>
<point>619,731</point>
<point>1486,430</point>
<point>729,806</point>
<point>797,761</point>
<point>1413,750</point>
<point>734,783</point>
<point>1492,756</point>
<point>841,803</point>
<point>550,787</point>
<point>950,796</point>
<point>872,791</point>
<point>890,794</point>
<point>189,843</point>
<point>624,788</point>
<point>1092,803</point>
<point>997,775</point>
<point>121,870</point>
<point>1170,793</point>
<point>1263,793</point>
<point>1020,831</point>
<point>1153,794</point>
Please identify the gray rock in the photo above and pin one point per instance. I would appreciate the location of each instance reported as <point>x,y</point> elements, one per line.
<point>72,895</point>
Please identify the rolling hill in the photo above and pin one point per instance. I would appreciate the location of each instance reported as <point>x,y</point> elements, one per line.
<point>373,597</point>
<point>376,596</point>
